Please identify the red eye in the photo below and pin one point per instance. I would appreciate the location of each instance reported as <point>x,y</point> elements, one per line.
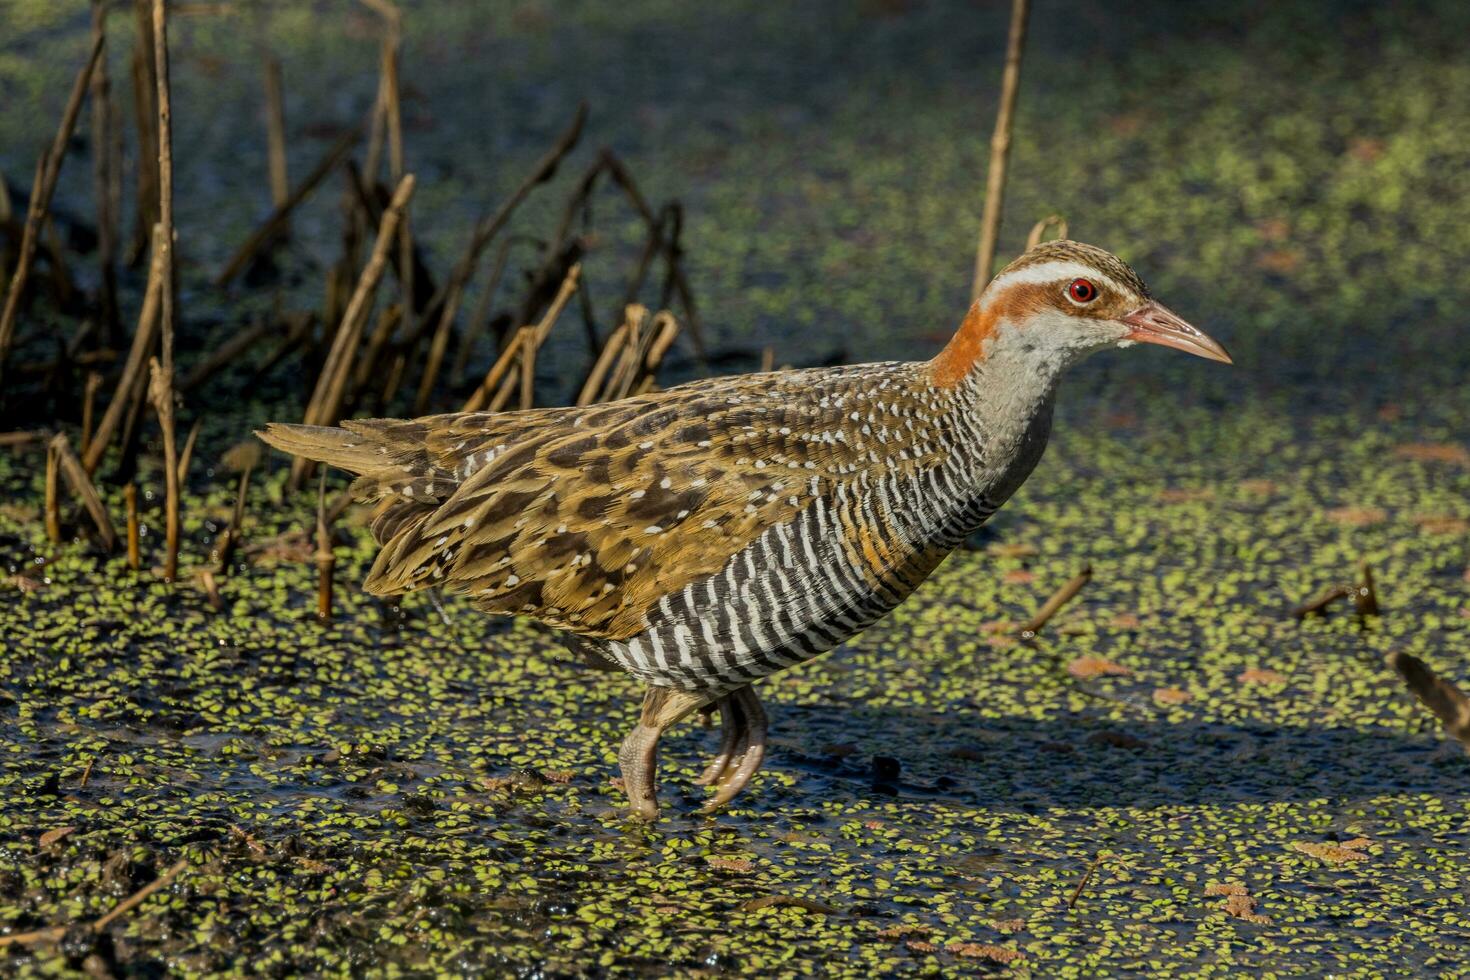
<point>1082,291</point>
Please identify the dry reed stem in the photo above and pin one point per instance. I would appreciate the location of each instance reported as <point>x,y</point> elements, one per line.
<point>48,169</point>
<point>54,934</point>
<point>211,590</point>
<point>1000,150</point>
<point>592,387</point>
<point>130,499</point>
<point>161,383</point>
<point>325,559</point>
<point>1449,705</point>
<point>160,394</point>
<point>497,373</point>
<point>187,453</point>
<point>21,438</point>
<point>81,487</point>
<point>528,338</point>
<point>768,359</point>
<point>326,397</point>
<point>132,382</point>
<point>1033,239</point>
<point>1058,599</point>
<point>528,376</point>
<point>268,229</point>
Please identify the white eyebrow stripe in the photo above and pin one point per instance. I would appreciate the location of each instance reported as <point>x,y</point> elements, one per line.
<point>1044,273</point>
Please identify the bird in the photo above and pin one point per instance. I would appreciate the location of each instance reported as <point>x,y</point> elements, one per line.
<point>709,535</point>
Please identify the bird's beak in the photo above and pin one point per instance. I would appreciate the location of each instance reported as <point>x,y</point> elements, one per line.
<point>1154,323</point>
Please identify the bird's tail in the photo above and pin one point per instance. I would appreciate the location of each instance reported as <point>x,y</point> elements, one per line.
<point>326,444</point>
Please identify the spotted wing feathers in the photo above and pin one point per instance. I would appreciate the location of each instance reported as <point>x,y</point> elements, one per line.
<point>584,518</point>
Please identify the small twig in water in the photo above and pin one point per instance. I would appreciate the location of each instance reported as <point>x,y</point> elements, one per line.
<point>1086,877</point>
<point>1318,606</point>
<point>1059,599</point>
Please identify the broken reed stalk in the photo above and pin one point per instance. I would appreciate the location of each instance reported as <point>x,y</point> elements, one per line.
<point>211,590</point>
<point>666,329</point>
<point>628,359</point>
<point>81,487</point>
<point>48,169</point>
<point>325,559</point>
<point>528,376</point>
<point>326,397</point>
<point>160,393</point>
<point>447,297</point>
<point>1086,878</point>
<point>768,359</point>
<point>268,229</point>
<point>612,350</point>
<point>130,499</point>
<point>101,99</point>
<point>1318,606</point>
<point>275,130</point>
<point>534,337</point>
<point>1449,705</point>
<point>1059,599</point>
<point>1000,150</point>
<point>1037,230</point>
<point>133,382</point>
<point>1365,596</point>
<point>187,453</point>
<point>54,934</point>
<point>523,344</point>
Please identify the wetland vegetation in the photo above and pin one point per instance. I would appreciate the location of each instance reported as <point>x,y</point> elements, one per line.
<point>1176,776</point>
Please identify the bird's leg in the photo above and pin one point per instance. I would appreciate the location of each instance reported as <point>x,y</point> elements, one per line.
<point>749,750</point>
<point>662,706</point>
<point>731,724</point>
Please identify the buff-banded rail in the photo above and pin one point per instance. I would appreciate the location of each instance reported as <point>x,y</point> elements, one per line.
<point>704,537</point>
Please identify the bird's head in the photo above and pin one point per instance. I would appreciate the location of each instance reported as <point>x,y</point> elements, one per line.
<point>1062,300</point>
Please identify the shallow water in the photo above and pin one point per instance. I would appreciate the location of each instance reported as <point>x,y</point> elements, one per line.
<point>395,790</point>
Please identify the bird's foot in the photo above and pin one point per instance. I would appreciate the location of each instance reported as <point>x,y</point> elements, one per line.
<point>742,747</point>
<point>638,756</point>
